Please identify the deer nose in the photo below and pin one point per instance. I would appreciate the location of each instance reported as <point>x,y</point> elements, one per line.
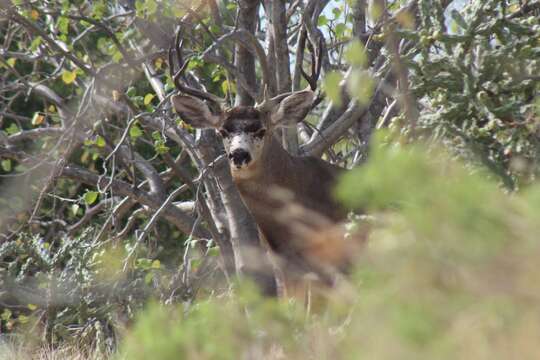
<point>239,157</point>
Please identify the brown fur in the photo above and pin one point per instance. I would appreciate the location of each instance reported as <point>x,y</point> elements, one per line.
<point>289,196</point>
<point>279,180</point>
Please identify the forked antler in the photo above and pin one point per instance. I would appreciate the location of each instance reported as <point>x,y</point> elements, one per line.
<point>269,103</point>
<point>177,77</point>
<point>316,63</point>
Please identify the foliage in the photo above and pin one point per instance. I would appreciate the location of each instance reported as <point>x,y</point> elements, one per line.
<point>93,254</point>
<point>450,272</point>
<point>476,77</point>
<point>79,290</point>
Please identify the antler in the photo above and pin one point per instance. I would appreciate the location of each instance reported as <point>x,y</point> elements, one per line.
<point>178,44</point>
<point>269,103</point>
<point>316,63</point>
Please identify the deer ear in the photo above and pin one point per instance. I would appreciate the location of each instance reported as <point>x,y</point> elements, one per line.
<point>195,112</point>
<point>293,108</point>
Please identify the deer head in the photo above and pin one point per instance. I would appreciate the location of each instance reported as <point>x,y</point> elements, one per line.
<point>246,130</point>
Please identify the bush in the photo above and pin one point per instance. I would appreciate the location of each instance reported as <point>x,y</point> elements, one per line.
<point>475,74</point>
<point>450,272</point>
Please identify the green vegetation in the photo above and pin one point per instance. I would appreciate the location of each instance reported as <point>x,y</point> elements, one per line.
<point>112,217</point>
<point>450,272</point>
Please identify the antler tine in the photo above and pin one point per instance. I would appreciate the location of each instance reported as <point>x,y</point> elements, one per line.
<point>178,45</point>
<point>269,103</point>
<point>316,63</point>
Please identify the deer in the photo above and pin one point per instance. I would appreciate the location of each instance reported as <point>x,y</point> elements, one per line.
<point>283,192</point>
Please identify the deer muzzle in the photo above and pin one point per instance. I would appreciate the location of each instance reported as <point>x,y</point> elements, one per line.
<point>240,157</point>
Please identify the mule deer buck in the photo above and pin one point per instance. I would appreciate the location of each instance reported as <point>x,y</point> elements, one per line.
<point>284,193</point>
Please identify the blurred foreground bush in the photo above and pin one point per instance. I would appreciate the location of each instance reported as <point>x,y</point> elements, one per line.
<point>451,271</point>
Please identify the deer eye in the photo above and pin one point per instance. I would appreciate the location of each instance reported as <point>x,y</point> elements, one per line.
<point>224,133</point>
<point>260,133</point>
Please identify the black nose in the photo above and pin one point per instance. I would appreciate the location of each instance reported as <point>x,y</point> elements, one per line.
<point>239,157</point>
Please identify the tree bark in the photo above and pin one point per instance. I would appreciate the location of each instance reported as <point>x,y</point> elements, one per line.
<point>243,60</point>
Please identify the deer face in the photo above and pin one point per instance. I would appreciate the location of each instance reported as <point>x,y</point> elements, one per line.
<point>245,130</point>
<point>244,133</point>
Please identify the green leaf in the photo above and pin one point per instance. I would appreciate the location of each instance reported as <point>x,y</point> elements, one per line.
<point>117,56</point>
<point>90,197</point>
<point>323,20</point>
<point>156,264</point>
<point>135,131</point>
<point>156,135</point>
<point>139,8</point>
<point>151,6</point>
<point>360,85</point>
<point>131,91</point>
<point>339,29</point>
<point>331,86</point>
<point>161,148</point>
<point>35,43</point>
<point>355,53</point>
<point>100,141</point>
<point>6,314</point>
<point>143,264</point>
<point>99,10</point>
<point>11,61</point>
<point>225,86</point>
<point>63,24</point>
<point>6,165</point>
<point>12,129</point>
<point>69,77</point>
<point>148,278</point>
<point>148,99</point>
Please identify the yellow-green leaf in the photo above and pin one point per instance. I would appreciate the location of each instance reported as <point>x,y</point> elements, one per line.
<point>69,77</point>
<point>158,63</point>
<point>32,307</point>
<point>12,129</point>
<point>11,62</point>
<point>151,6</point>
<point>100,141</point>
<point>225,86</point>
<point>355,54</point>
<point>135,131</point>
<point>360,85</point>
<point>156,264</point>
<point>148,278</point>
<point>90,197</point>
<point>6,165</point>
<point>331,87</point>
<point>6,314</point>
<point>148,98</point>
